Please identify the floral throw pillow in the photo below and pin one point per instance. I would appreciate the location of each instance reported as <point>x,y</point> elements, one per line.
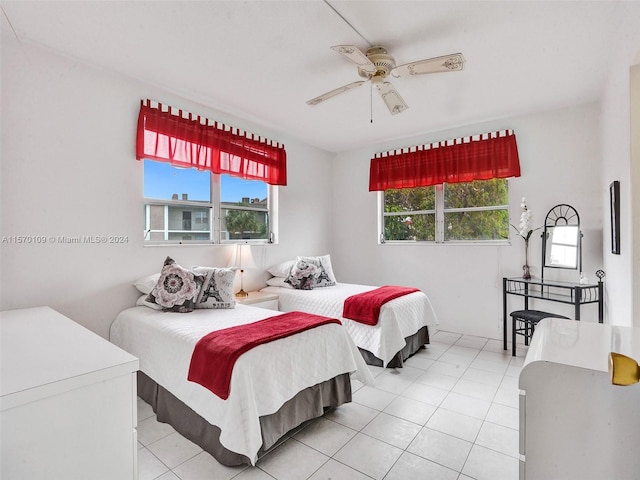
<point>326,277</point>
<point>217,289</point>
<point>177,288</point>
<point>303,274</point>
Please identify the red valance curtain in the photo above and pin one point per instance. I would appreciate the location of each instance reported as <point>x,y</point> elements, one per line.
<point>493,155</point>
<point>187,142</point>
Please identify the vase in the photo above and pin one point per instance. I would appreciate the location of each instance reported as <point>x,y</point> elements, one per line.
<point>526,273</point>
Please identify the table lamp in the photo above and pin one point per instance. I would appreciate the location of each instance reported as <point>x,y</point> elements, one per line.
<point>243,260</point>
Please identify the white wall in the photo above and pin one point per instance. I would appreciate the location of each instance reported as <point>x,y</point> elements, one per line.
<point>68,168</point>
<point>560,158</point>
<point>635,187</point>
<point>616,165</point>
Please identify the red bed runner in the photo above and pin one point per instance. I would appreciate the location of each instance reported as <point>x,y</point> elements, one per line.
<point>216,353</point>
<point>365,307</point>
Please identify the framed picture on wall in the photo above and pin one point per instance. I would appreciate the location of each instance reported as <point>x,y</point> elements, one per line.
<point>614,197</point>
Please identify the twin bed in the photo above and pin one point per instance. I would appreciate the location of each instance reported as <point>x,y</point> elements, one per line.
<point>402,327</point>
<point>402,324</point>
<point>275,386</point>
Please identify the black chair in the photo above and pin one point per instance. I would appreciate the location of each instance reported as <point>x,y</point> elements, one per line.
<point>523,322</point>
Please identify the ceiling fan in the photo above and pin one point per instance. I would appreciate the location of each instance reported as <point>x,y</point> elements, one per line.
<point>376,64</point>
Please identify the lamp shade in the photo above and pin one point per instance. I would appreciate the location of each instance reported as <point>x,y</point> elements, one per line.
<point>244,258</point>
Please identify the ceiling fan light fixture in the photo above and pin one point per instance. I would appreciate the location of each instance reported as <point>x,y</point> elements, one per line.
<point>377,80</point>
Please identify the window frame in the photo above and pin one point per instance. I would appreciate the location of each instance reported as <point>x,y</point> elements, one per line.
<point>215,205</point>
<point>439,212</point>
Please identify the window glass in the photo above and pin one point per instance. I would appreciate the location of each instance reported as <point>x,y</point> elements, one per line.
<point>244,209</point>
<point>410,214</point>
<point>164,181</point>
<point>235,189</point>
<point>473,211</point>
<point>481,225</point>
<point>180,206</point>
<point>476,210</point>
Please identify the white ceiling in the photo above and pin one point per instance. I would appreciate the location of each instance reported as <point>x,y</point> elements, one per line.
<point>262,60</point>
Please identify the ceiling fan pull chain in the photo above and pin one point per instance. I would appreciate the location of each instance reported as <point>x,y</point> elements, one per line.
<point>371,101</point>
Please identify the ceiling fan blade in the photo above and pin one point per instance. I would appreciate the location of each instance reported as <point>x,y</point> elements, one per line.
<point>446,63</point>
<point>333,93</point>
<point>355,55</point>
<point>391,98</point>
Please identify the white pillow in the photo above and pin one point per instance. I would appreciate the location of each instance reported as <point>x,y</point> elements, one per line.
<point>282,269</point>
<point>142,302</point>
<point>278,282</point>
<point>217,289</point>
<point>146,284</point>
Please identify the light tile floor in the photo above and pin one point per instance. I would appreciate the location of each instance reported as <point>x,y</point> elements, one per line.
<point>451,413</point>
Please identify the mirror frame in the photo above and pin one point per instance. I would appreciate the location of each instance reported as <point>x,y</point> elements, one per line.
<point>561,215</point>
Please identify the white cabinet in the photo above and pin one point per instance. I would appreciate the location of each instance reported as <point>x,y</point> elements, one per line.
<point>260,299</point>
<point>67,401</point>
<point>574,424</point>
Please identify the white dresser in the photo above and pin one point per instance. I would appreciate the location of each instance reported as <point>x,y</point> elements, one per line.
<point>67,401</point>
<point>574,424</point>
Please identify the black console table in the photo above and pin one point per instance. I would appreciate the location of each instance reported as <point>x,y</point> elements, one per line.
<point>575,294</point>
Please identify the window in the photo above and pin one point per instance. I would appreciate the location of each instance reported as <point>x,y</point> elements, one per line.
<point>472,212</point>
<point>448,191</point>
<point>185,205</point>
<point>202,218</point>
<point>204,181</point>
<point>244,209</point>
<point>410,214</point>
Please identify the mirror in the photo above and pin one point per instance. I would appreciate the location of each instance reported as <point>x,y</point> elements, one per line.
<point>562,246</point>
<point>562,239</point>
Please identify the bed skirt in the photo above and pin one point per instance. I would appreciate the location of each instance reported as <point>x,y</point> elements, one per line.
<point>414,343</point>
<point>310,403</point>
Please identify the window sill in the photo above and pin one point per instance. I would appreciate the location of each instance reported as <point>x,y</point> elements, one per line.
<point>461,243</point>
<point>203,244</point>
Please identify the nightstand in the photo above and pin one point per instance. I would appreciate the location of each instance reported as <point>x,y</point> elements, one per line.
<point>260,299</point>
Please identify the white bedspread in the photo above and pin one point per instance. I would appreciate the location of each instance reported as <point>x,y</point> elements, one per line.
<point>399,318</point>
<point>263,379</point>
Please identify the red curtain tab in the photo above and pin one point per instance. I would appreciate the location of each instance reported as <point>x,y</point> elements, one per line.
<point>463,161</point>
<point>187,142</point>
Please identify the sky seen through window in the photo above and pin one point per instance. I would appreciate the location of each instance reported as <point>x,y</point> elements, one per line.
<point>162,180</point>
